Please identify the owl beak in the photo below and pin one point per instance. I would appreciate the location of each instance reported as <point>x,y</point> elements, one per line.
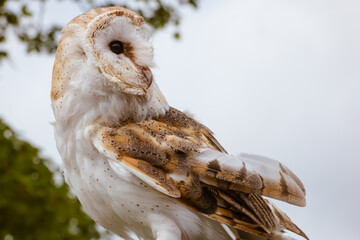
<point>148,76</point>
<point>138,84</point>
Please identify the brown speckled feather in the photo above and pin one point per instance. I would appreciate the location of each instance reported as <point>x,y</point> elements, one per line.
<point>167,153</point>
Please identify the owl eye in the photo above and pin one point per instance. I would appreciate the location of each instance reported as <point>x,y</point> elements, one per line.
<point>116,47</point>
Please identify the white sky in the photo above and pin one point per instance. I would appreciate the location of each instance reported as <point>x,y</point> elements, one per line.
<point>278,78</point>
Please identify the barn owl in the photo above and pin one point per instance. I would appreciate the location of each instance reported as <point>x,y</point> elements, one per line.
<point>141,167</point>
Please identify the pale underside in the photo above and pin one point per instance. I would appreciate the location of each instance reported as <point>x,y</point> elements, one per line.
<point>179,157</point>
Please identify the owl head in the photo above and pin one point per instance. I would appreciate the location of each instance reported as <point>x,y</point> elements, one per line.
<point>113,43</point>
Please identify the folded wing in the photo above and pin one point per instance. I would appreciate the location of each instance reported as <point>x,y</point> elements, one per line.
<point>179,157</point>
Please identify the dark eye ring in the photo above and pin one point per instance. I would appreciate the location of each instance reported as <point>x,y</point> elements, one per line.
<point>116,47</point>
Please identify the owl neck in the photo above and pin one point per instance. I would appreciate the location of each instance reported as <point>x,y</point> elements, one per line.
<point>81,105</point>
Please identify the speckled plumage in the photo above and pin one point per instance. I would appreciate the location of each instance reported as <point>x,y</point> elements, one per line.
<point>138,165</point>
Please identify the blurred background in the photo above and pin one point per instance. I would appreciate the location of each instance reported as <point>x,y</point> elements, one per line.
<point>277,78</point>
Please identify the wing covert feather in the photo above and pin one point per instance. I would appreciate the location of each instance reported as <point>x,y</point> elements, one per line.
<point>151,175</point>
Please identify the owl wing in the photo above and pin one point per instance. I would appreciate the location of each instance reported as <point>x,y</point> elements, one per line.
<point>179,157</point>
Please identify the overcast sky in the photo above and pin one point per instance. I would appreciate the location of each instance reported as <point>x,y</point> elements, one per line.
<point>277,78</point>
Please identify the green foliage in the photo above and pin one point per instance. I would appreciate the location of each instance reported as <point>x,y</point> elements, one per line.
<point>32,205</point>
<point>37,38</point>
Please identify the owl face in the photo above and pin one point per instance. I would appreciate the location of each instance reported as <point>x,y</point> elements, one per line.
<point>112,41</point>
<point>121,50</point>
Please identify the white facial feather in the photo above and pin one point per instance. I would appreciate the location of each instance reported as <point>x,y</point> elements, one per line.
<point>124,69</point>
<point>121,29</point>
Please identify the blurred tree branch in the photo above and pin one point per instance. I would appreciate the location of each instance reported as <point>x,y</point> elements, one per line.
<point>16,15</point>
